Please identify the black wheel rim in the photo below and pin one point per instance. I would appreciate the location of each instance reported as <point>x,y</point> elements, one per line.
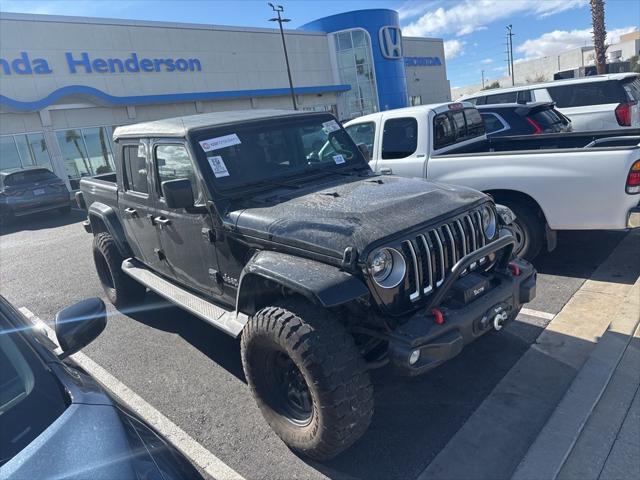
<point>291,393</point>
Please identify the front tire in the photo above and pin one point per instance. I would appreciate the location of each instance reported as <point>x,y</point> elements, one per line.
<point>528,230</point>
<point>120,289</point>
<point>308,378</point>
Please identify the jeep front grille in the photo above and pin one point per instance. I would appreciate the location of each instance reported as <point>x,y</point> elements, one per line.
<point>432,254</point>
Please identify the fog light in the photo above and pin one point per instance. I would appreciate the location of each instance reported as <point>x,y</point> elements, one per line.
<point>414,357</point>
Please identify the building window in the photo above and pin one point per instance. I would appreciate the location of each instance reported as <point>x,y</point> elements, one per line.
<point>28,150</point>
<point>85,152</point>
<point>415,100</point>
<point>355,67</point>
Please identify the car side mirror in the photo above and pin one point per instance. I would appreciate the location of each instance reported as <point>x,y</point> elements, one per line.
<point>80,324</point>
<point>365,151</point>
<point>178,193</point>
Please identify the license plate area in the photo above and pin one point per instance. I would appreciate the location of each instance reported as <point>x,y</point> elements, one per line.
<point>38,191</point>
<point>469,288</point>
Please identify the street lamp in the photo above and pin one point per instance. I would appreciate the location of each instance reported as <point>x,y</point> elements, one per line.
<point>280,9</point>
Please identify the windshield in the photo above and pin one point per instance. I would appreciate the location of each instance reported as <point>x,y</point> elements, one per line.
<point>30,398</point>
<point>276,149</point>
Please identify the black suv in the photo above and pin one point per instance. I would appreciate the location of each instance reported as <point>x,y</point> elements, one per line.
<point>507,119</point>
<point>270,226</point>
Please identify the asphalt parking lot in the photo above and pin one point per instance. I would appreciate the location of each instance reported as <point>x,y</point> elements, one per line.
<point>193,375</point>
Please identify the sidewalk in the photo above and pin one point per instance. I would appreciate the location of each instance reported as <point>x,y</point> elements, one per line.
<point>594,433</point>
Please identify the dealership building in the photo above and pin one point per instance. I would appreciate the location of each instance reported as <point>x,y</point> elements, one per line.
<point>66,82</point>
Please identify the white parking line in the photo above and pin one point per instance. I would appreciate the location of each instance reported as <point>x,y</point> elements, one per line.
<point>537,313</point>
<point>199,455</point>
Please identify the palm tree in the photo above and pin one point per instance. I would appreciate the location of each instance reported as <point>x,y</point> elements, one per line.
<point>72,136</point>
<point>599,35</point>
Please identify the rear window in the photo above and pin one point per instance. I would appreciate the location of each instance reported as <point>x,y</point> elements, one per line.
<point>633,89</point>
<point>27,177</point>
<point>547,118</point>
<point>492,123</point>
<point>585,94</point>
<point>456,126</point>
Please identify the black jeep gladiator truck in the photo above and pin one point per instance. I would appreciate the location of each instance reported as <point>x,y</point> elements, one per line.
<point>270,226</point>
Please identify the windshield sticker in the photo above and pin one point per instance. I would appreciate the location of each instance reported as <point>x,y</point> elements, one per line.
<point>338,159</point>
<point>218,167</point>
<point>220,142</point>
<point>330,126</point>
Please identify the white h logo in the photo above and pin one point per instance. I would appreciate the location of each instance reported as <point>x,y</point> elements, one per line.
<point>390,42</point>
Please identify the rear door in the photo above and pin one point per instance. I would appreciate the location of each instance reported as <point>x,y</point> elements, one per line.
<point>136,205</point>
<point>186,238</point>
<point>401,148</point>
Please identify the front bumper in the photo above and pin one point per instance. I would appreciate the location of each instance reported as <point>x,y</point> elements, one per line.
<point>511,286</point>
<point>633,217</point>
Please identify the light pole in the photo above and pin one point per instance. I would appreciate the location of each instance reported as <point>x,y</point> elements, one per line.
<point>510,35</point>
<point>483,79</point>
<point>280,9</point>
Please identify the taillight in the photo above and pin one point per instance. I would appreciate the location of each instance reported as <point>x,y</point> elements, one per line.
<point>633,179</point>
<point>623,113</point>
<point>537,130</point>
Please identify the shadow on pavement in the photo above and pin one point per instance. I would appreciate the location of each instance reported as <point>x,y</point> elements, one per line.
<point>579,253</point>
<point>43,220</point>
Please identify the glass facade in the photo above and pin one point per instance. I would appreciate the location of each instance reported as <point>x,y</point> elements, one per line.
<point>26,150</point>
<point>355,67</point>
<point>86,152</point>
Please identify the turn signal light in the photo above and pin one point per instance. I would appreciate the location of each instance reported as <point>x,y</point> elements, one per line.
<point>633,179</point>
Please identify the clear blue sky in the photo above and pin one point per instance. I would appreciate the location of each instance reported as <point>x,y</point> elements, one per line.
<point>473,30</point>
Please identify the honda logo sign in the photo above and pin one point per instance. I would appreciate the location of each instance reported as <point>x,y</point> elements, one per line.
<point>390,42</point>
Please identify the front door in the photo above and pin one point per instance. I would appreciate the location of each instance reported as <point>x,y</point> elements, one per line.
<point>400,150</point>
<point>136,204</point>
<point>186,240</point>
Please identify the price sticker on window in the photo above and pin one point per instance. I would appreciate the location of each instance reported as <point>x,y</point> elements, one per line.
<point>338,159</point>
<point>330,126</point>
<point>218,167</point>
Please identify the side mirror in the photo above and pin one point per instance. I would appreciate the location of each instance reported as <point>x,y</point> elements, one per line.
<point>78,325</point>
<point>365,151</point>
<point>178,193</point>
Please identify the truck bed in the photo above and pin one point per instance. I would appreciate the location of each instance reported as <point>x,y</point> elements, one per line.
<point>101,188</point>
<point>609,139</point>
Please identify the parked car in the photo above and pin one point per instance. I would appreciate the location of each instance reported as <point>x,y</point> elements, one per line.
<point>31,190</point>
<point>600,102</point>
<point>323,268</point>
<point>558,181</point>
<point>57,422</point>
<point>508,119</point>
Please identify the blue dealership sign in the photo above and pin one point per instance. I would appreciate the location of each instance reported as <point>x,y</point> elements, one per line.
<point>422,61</point>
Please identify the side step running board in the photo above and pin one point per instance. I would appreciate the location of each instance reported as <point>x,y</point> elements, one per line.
<point>228,321</point>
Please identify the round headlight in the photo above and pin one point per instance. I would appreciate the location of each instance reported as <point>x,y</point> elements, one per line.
<point>387,267</point>
<point>489,222</point>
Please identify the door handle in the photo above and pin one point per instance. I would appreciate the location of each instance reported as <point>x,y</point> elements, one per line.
<point>161,221</point>
<point>386,171</point>
<point>131,211</point>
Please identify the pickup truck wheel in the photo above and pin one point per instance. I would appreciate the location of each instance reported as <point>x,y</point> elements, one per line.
<point>528,230</point>
<point>121,290</point>
<point>308,378</point>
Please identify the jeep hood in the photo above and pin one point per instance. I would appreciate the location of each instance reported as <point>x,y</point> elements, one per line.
<point>331,217</point>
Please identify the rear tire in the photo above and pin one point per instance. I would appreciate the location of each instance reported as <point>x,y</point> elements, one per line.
<point>121,290</point>
<point>528,229</point>
<point>308,378</point>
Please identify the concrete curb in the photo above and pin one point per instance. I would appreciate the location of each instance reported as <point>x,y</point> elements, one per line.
<point>554,444</point>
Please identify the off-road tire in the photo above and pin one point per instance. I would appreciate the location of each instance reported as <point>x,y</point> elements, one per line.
<point>333,370</point>
<point>529,226</point>
<point>121,290</point>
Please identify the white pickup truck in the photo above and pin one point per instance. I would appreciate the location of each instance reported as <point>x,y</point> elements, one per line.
<point>566,181</point>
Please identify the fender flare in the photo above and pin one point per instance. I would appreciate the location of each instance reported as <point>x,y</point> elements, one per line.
<point>322,284</point>
<point>104,218</point>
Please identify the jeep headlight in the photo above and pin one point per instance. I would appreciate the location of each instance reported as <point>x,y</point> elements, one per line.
<point>387,267</point>
<point>489,221</point>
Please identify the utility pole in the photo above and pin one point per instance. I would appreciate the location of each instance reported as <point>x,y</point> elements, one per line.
<point>510,35</point>
<point>508,56</point>
<point>483,79</point>
<point>280,9</point>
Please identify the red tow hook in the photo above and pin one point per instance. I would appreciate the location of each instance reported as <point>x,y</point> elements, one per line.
<point>438,317</point>
<point>515,269</point>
